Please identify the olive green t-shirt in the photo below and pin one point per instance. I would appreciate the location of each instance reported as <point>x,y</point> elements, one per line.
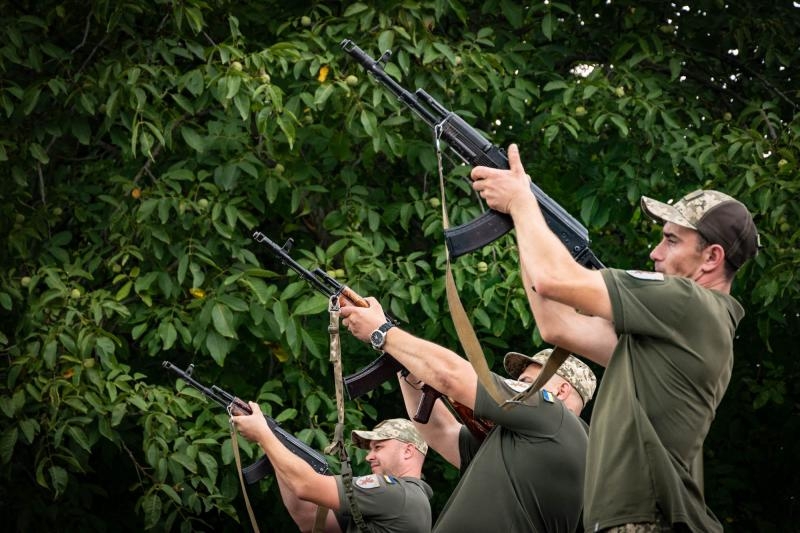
<point>527,475</point>
<point>387,503</point>
<point>656,401</point>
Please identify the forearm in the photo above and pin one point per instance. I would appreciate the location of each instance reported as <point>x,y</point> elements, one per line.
<point>304,513</point>
<point>441,430</point>
<point>591,337</point>
<point>439,367</point>
<point>298,477</point>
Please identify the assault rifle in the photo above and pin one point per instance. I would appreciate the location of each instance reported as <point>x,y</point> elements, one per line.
<point>383,368</point>
<point>475,150</point>
<point>235,406</point>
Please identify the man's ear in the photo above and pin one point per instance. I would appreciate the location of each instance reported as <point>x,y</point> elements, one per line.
<point>715,256</point>
<point>564,390</point>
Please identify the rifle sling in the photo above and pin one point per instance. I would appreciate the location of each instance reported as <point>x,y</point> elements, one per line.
<point>466,333</point>
<point>337,445</point>
<point>238,459</point>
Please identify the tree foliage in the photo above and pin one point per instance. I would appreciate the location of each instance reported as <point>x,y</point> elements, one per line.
<point>144,142</point>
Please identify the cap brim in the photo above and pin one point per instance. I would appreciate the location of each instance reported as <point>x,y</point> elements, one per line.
<point>662,212</point>
<point>362,438</point>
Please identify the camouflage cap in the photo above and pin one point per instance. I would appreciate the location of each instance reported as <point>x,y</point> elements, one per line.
<point>719,218</point>
<point>575,371</point>
<point>394,428</point>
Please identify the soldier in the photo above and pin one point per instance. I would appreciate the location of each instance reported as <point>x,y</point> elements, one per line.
<point>391,499</point>
<point>666,338</point>
<point>527,475</point>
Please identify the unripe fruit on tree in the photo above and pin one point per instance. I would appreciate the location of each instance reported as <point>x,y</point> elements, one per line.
<point>305,21</point>
<point>279,169</point>
<point>75,293</point>
<point>435,202</point>
<point>25,281</point>
<point>202,203</point>
<point>351,80</point>
<point>236,66</point>
<point>580,111</point>
<point>89,363</point>
<point>727,117</point>
<point>620,91</point>
<point>482,266</point>
<point>116,269</point>
<point>20,218</point>
<point>57,211</point>
<point>339,273</point>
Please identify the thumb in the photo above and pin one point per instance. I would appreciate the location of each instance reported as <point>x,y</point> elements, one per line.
<point>514,162</point>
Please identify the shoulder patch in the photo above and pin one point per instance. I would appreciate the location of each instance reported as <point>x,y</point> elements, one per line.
<point>547,396</point>
<point>391,480</point>
<point>367,482</point>
<point>645,275</point>
<point>517,386</point>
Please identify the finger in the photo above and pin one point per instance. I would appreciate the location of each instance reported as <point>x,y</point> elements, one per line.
<point>514,162</point>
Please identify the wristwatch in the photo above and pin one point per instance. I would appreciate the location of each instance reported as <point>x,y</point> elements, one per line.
<point>378,337</point>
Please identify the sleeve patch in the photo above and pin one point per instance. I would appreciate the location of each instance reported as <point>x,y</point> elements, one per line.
<point>367,482</point>
<point>548,396</point>
<point>645,275</point>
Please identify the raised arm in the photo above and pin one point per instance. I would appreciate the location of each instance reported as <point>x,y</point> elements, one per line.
<point>298,482</point>
<point>441,431</point>
<point>442,369</point>
<point>588,336</point>
<point>549,272</point>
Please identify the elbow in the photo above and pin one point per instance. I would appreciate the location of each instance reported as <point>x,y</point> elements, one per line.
<point>546,286</point>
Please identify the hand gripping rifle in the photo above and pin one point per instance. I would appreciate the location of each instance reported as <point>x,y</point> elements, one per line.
<point>475,150</point>
<point>383,368</point>
<point>234,405</point>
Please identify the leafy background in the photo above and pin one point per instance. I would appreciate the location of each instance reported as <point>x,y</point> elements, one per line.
<point>144,141</point>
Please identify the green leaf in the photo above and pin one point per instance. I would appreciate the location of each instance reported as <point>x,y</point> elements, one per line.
<point>193,139</point>
<point>8,440</point>
<point>151,508</point>
<point>222,318</point>
<point>38,153</point>
<point>314,305</point>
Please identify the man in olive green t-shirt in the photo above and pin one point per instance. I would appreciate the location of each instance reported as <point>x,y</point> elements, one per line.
<point>528,473</point>
<point>665,338</point>
<point>393,499</point>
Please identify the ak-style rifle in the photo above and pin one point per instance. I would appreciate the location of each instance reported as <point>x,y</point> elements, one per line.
<point>235,406</point>
<point>384,367</point>
<point>476,150</point>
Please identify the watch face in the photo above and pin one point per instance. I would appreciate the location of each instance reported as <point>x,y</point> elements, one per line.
<point>376,338</point>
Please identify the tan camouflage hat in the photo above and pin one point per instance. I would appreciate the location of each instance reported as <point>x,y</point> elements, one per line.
<point>394,428</point>
<point>719,218</point>
<point>575,371</point>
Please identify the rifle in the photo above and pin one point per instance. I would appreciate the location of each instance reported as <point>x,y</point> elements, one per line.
<point>476,150</point>
<point>235,406</point>
<point>384,367</point>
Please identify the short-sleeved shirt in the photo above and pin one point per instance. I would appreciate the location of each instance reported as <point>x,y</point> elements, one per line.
<point>387,503</point>
<point>527,475</point>
<point>657,399</point>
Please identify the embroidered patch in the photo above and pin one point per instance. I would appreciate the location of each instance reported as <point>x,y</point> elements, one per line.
<point>548,396</point>
<point>517,386</point>
<point>367,482</point>
<point>643,274</point>
<point>391,480</point>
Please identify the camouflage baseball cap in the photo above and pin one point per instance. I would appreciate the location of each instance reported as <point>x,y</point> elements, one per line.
<point>394,428</point>
<point>575,371</point>
<point>719,218</point>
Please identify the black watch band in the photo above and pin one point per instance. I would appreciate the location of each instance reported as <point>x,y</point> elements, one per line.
<point>378,337</point>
